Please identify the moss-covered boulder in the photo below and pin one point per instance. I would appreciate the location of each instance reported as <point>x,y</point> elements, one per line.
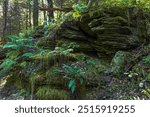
<point>119,61</point>
<point>48,93</point>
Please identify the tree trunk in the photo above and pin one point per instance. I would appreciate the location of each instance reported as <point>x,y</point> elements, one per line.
<point>30,7</point>
<point>5,15</point>
<point>44,13</point>
<point>50,13</point>
<point>35,12</point>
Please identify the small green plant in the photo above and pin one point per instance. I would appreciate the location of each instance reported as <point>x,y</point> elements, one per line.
<point>131,74</point>
<point>17,43</point>
<point>147,59</point>
<point>26,32</point>
<point>18,48</point>
<point>78,9</point>
<point>70,45</point>
<point>74,74</point>
<point>146,92</point>
<point>6,65</point>
<point>81,8</point>
<point>148,77</point>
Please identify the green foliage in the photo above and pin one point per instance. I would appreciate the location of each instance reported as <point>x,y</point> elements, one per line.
<point>76,15</point>
<point>56,54</point>
<point>10,45</point>
<point>74,74</point>
<point>125,3</point>
<point>17,43</point>
<point>146,92</point>
<point>80,8</point>
<point>12,54</point>
<point>90,62</point>
<point>6,65</point>
<point>147,59</point>
<point>131,74</point>
<point>26,32</point>
<point>48,93</point>
<point>18,48</point>
<point>69,45</point>
<point>49,25</point>
<point>28,54</point>
<point>72,85</point>
<point>148,77</point>
<point>24,93</point>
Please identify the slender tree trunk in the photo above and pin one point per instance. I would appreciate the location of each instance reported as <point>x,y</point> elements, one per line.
<point>17,16</point>
<point>35,12</point>
<point>44,13</point>
<point>30,13</point>
<point>5,15</point>
<point>26,19</point>
<point>90,3</point>
<point>50,13</point>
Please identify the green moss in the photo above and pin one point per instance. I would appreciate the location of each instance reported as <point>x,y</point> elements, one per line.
<point>120,60</point>
<point>104,51</point>
<point>38,32</point>
<point>118,19</point>
<point>116,11</point>
<point>80,46</point>
<point>37,77</point>
<point>112,30</point>
<point>61,42</point>
<point>14,80</point>
<point>45,43</point>
<point>80,92</point>
<point>55,80</point>
<point>48,93</point>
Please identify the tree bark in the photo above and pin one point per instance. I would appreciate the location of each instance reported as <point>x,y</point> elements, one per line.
<point>44,13</point>
<point>50,12</point>
<point>30,12</point>
<point>35,12</point>
<point>57,9</point>
<point>5,15</point>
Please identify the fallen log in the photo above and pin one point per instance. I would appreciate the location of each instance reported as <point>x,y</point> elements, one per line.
<point>56,9</point>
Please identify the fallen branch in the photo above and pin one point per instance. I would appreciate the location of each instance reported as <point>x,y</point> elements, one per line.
<point>56,9</point>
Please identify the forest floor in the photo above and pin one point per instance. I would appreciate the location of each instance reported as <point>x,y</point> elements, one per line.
<point>9,93</point>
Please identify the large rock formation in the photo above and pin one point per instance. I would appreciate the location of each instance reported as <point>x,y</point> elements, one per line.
<point>107,31</point>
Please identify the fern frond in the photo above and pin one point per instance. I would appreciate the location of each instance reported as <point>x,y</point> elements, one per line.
<point>147,59</point>
<point>6,66</point>
<point>11,46</point>
<point>28,54</point>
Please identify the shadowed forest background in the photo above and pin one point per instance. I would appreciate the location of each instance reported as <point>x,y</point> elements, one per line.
<point>74,49</point>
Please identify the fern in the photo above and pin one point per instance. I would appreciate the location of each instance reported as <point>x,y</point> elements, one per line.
<point>6,66</point>
<point>19,48</point>
<point>13,38</point>
<point>80,8</point>
<point>73,74</point>
<point>12,54</point>
<point>17,43</point>
<point>147,59</point>
<point>148,77</point>
<point>72,85</point>
<point>29,54</point>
